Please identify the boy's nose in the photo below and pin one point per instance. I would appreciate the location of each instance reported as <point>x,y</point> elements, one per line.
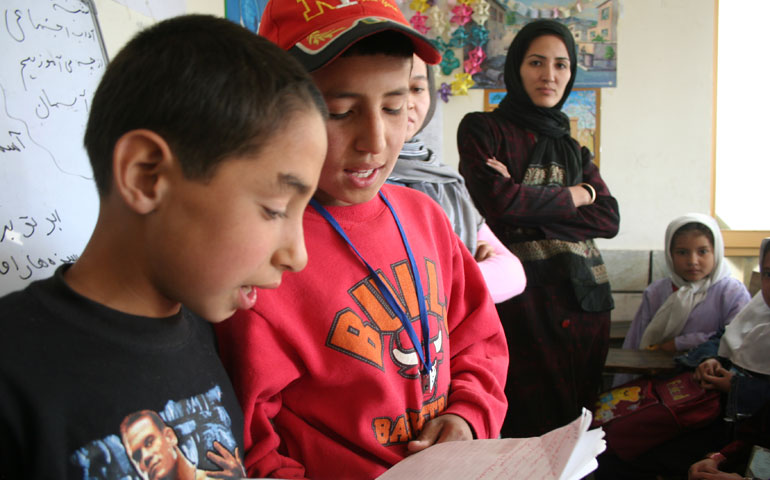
<point>371,135</point>
<point>292,256</point>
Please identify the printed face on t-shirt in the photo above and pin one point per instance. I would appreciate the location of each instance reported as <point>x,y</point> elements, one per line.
<point>152,450</point>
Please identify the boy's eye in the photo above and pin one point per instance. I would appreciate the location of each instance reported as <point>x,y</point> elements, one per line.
<point>273,214</point>
<point>339,116</point>
<point>393,111</point>
<point>417,89</point>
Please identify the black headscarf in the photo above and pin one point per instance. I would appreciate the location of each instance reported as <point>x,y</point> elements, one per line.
<point>554,145</point>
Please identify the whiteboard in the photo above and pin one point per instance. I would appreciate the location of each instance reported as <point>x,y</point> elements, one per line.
<point>52,57</point>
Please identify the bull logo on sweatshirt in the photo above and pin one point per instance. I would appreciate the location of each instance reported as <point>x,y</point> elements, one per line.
<point>376,335</point>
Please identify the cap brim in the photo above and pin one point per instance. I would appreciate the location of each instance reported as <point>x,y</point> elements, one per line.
<point>315,58</point>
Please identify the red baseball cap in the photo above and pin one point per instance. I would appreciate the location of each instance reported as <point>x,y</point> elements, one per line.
<point>318,31</point>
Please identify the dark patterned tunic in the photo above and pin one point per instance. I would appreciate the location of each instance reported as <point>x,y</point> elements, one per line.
<point>558,329</point>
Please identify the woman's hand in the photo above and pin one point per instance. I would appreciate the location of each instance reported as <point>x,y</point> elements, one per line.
<point>483,251</point>
<point>444,428</point>
<point>499,167</point>
<point>580,196</point>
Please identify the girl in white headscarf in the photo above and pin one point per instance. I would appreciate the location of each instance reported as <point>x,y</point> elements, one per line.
<point>696,299</point>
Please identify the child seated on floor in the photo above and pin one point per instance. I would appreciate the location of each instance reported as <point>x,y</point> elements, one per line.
<point>695,300</point>
<point>419,168</point>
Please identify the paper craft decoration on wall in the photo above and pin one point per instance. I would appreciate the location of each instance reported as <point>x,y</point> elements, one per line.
<point>474,36</point>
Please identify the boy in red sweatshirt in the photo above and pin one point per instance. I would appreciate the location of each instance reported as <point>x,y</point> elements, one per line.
<point>388,342</point>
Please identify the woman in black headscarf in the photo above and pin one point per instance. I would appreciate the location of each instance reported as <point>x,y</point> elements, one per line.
<point>544,198</point>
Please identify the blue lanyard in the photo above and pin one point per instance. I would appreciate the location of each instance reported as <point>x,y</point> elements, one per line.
<point>424,357</point>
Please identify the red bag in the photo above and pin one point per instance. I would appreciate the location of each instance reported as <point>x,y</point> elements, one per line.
<point>641,414</point>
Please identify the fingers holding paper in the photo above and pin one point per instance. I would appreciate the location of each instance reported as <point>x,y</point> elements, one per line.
<point>444,428</point>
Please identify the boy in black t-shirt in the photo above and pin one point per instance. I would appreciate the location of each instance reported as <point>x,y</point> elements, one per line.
<point>202,186</point>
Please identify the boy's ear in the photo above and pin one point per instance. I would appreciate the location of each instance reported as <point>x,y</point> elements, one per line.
<point>142,163</point>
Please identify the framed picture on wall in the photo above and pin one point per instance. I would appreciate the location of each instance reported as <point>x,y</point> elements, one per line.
<point>582,107</point>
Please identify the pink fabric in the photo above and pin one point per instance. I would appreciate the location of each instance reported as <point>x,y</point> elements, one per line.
<point>502,272</point>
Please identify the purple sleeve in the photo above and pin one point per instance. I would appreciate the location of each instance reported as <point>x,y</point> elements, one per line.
<point>502,272</point>
<point>650,304</point>
<point>725,299</point>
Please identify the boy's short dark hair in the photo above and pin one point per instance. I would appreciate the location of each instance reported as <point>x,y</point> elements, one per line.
<point>211,88</point>
<point>693,227</point>
<point>389,42</point>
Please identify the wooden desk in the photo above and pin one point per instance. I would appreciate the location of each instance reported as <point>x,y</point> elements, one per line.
<point>649,362</point>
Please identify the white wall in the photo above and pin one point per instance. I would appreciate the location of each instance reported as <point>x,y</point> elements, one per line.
<point>119,23</point>
<point>656,124</point>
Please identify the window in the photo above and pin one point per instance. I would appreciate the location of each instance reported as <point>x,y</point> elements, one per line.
<point>741,158</point>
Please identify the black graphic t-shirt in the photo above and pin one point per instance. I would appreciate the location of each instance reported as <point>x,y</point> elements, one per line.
<point>90,392</point>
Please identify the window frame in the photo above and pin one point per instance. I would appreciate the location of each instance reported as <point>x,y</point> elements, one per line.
<point>738,243</point>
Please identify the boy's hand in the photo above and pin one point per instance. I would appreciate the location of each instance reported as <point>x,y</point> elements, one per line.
<point>706,367</point>
<point>720,380</point>
<point>707,469</point>
<point>705,466</point>
<point>444,428</point>
<point>483,251</point>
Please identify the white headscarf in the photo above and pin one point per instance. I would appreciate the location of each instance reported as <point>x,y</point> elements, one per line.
<point>746,341</point>
<point>671,317</point>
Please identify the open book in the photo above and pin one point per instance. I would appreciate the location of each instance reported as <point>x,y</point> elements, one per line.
<point>567,453</point>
